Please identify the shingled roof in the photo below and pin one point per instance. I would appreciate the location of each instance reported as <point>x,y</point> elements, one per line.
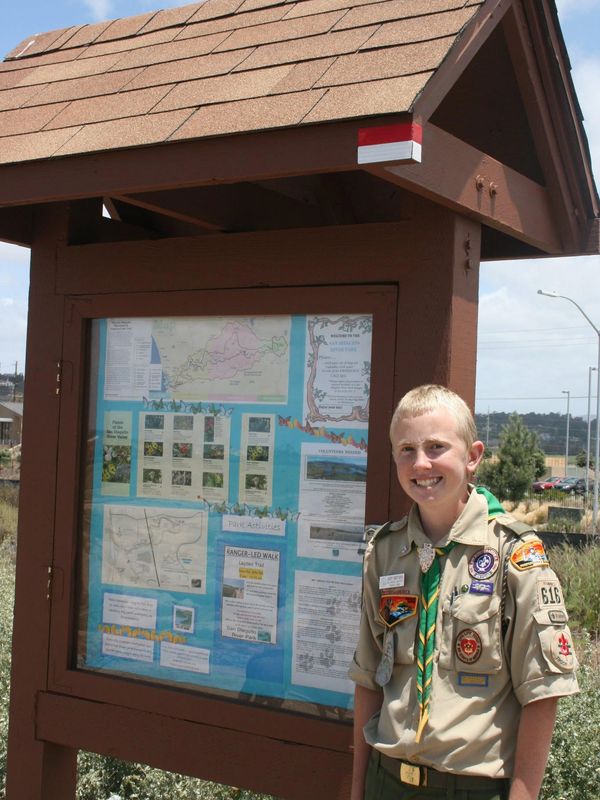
<point>232,115</point>
<point>220,67</point>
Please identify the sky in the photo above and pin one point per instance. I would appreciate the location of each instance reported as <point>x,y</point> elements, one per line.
<point>532,349</point>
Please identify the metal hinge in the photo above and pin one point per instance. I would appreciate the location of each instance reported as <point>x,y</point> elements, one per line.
<point>49,582</point>
<point>59,366</point>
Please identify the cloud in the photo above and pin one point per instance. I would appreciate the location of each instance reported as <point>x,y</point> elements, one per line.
<point>100,9</point>
<point>568,7</point>
<point>586,74</point>
<point>14,286</point>
<point>532,346</point>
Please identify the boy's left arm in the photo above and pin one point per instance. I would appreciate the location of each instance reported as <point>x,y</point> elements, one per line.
<point>533,745</point>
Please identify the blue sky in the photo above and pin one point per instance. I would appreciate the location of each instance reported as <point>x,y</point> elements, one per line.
<point>531,348</point>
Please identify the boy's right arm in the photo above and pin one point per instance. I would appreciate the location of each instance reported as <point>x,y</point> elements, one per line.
<point>366,703</point>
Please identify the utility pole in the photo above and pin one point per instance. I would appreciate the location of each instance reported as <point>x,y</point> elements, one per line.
<point>15,381</point>
<point>589,432</point>
<point>568,393</point>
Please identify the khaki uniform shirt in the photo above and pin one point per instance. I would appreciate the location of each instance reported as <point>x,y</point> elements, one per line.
<point>480,677</point>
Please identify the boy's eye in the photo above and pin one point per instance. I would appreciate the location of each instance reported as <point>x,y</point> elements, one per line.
<point>405,448</point>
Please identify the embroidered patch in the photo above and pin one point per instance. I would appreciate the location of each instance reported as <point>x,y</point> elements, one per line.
<point>548,593</point>
<point>561,650</point>
<point>484,563</point>
<point>557,617</point>
<point>529,555</point>
<point>391,581</point>
<point>482,587</point>
<point>393,608</point>
<point>473,679</point>
<point>468,646</point>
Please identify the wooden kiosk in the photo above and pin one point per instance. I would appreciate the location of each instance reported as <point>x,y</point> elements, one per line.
<point>253,225</point>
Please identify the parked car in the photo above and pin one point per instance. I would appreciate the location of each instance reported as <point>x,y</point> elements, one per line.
<point>545,483</point>
<point>567,485</point>
<point>580,486</point>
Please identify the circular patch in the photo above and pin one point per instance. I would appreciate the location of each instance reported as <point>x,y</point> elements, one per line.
<point>562,650</point>
<point>468,646</point>
<point>484,563</point>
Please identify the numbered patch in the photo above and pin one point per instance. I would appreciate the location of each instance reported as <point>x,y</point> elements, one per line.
<point>393,608</point>
<point>549,594</point>
<point>468,646</point>
<point>529,555</point>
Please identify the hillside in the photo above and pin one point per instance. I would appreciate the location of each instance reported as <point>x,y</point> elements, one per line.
<point>550,428</point>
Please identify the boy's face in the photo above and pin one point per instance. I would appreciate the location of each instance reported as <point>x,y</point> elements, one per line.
<point>433,462</point>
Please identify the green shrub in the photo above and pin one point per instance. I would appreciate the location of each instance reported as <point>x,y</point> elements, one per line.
<point>100,777</point>
<point>578,570</point>
<point>7,587</point>
<point>573,771</point>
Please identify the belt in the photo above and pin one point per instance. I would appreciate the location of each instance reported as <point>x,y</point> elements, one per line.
<point>418,775</point>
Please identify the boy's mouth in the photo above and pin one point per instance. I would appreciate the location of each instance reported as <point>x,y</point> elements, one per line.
<point>425,483</point>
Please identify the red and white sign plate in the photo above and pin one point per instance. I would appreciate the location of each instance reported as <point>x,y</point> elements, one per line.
<point>400,142</point>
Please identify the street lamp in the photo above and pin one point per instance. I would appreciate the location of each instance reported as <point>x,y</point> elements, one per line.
<point>597,457</point>
<point>589,433</point>
<point>568,393</point>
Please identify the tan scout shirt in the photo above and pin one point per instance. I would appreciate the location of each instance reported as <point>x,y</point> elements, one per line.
<point>479,684</point>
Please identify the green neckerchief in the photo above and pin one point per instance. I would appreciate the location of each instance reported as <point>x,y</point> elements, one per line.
<point>494,505</point>
<point>430,593</point>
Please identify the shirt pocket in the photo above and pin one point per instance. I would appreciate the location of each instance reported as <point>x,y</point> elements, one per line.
<point>405,633</point>
<point>556,642</point>
<point>471,635</point>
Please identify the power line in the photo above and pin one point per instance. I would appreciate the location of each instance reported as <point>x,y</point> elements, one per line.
<point>538,330</point>
<point>548,397</point>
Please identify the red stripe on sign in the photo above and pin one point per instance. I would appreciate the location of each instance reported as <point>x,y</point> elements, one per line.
<point>403,132</point>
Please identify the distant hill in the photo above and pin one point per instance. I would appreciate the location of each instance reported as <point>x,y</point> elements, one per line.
<point>550,428</point>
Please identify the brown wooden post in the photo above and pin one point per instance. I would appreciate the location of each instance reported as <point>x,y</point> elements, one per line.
<point>37,769</point>
<point>437,311</point>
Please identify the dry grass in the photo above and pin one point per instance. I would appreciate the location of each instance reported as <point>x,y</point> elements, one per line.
<point>532,512</point>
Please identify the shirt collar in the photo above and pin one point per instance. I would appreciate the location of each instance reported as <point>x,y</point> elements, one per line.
<point>470,528</point>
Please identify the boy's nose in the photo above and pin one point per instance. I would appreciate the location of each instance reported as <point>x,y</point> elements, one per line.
<point>421,461</point>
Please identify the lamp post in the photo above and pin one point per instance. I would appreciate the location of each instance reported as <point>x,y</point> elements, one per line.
<point>589,433</point>
<point>597,455</point>
<point>568,393</point>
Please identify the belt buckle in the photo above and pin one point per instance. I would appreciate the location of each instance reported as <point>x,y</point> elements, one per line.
<point>413,775</point>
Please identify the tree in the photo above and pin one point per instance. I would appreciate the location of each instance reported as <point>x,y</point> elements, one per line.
<point>540,463</point>
<point>518,463</point>
<point>581,459</point>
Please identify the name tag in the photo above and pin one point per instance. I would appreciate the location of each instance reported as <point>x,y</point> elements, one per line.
<point>391,581</point>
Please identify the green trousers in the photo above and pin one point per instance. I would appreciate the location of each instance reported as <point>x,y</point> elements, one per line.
<point>382,785</point>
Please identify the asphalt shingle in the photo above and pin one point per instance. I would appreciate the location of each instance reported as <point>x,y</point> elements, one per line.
<point>219,67</point>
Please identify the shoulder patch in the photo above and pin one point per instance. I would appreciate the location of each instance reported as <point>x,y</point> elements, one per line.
<point>528,555</point>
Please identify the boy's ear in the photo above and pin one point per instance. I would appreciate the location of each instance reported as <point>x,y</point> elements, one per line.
<point>474,456</point>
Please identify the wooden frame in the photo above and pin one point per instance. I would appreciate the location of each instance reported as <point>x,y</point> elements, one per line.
<point>57,709</point>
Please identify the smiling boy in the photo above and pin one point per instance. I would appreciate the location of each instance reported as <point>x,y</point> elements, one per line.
<point>463,647</point>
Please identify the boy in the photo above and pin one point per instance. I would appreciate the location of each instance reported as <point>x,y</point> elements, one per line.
<point>463,647</point>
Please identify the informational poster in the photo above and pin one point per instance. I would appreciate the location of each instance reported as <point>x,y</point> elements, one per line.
<point>326,622</point>
<point>226,501</point>
<point>250,581</point>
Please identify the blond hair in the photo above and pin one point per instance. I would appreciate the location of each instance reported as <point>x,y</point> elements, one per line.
<point>430,397</point>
